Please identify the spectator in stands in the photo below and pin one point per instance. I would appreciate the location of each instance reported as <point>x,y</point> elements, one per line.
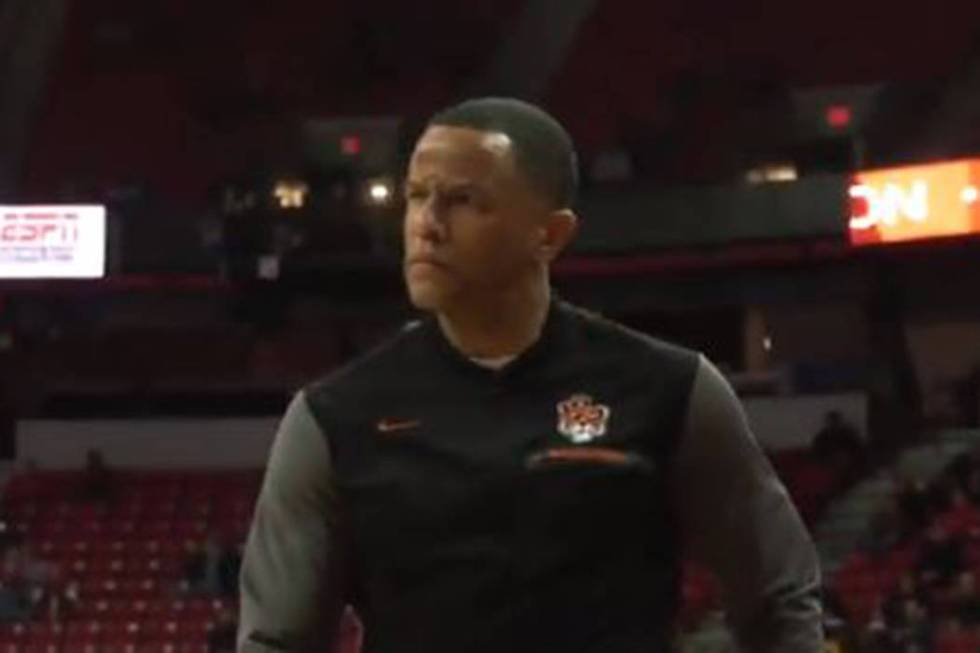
<point>914,505</point>
<point>64,603</point>
<point>909,589</point>
<point>912,633</point>
<point>941,493</point>
<point>839,446</point>
<point>875,637</point>
<point>38,576</point>
<point>202,567</point>
<point>12,556</point>
<point>961,517</point>
<point>941,559</point>
<point>883,530</point>
<point>194,564</point>
<point>966,600</point>
<point>839,634</point>
<point>948,629</point>
<point>13,606</point>
<point>968,398</point>
<point>973,487</point>
<point>221,639</point>
<point>97,481</point>
<point>7,536</point>
<point>24,583</point>
<point>228,569</point>
<point>964,466</point>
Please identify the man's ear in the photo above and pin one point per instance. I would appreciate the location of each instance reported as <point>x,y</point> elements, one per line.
<point>557,232</point>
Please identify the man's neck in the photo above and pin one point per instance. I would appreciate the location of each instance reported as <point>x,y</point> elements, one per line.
<point>505,326</point>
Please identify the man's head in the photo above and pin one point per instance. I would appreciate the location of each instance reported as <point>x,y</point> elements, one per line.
<point>833,418</point>
<point>488,202</point>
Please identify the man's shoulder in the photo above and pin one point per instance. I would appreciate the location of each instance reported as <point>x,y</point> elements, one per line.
<point>614,338</point>
<point>387,358</point>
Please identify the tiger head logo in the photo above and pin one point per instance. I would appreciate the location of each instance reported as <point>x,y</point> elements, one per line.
<point>581,420</point>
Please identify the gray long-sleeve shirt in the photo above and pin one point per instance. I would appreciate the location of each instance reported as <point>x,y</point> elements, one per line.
<point>736,516</point>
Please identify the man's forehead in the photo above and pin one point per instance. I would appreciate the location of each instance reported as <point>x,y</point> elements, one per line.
<point>461,147</point>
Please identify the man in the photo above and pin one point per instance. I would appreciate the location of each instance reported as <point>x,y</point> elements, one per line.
<point>512,473</point>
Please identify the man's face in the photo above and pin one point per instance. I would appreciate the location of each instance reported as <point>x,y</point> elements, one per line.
<point>472,224</point>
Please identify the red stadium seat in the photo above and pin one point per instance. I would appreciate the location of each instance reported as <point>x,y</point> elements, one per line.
<point>198,628</point>
<point>957,643</point>
<point>161,568</point>
<point>122,528</point>
<point>120,628</point>
<point>119,645</point>
<point>199,509</point>
<point>16,631</point>
<point>130,506</point>
<point>164,645</point>
<point>84,645</point>
<point>158,529</point>
<point>196,529</point>
<point>42,646</point>
<point>89,628</point>
<point>109,567</point>
<point>51,529</point>
<point>194,646</point>
<point>164,508</point>
<point>49,548</point>
<point>114,610</point>
<point>202,608</point>
<point>45,637</point>
<point>159,607</point>
<point>108,547</point>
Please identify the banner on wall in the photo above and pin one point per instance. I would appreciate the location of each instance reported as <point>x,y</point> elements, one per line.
<point>52,242</point>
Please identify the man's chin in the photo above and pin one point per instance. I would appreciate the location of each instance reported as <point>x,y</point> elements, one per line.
<point>427,297</point>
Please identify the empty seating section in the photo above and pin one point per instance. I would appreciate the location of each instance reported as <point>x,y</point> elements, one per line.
<point>126,555</point>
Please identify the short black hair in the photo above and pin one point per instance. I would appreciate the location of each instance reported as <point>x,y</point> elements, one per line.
<point>543,149</point>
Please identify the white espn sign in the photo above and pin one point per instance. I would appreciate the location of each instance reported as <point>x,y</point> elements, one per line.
<point>52,242</point>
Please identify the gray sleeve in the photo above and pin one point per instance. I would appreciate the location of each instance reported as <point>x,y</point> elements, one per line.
<point>738,520</point>
<point>285,564</point>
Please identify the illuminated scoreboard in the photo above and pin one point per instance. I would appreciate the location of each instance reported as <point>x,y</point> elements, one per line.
<point>938,200</point>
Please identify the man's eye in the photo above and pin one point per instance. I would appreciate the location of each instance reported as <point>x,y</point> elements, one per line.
<point>416,195</point>
<point>460,198</point>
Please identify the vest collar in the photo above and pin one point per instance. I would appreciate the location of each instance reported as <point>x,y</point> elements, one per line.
<point>554,326</point>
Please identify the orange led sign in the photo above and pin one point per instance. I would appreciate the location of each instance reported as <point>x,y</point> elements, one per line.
<point>917,202</point>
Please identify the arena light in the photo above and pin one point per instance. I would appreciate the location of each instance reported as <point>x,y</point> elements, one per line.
<point>772,173</point>
<point>915,202</point>
<point>291,194</point>
<point>52,242</point>
<point>380,191</point>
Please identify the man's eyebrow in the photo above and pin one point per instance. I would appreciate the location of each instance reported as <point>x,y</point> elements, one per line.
<point>450,186</point>
<point>465,186</point>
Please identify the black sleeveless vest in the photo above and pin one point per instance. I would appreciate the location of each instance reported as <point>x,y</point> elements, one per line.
<point>523,509</point>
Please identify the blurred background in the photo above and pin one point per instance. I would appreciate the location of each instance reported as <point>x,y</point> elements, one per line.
<point>199,213</point>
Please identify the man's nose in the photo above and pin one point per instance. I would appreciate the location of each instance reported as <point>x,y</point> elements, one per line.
<point>430,222</point>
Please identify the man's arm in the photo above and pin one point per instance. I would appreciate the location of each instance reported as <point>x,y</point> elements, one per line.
<point>738,520</point>
<point>285,602</point>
